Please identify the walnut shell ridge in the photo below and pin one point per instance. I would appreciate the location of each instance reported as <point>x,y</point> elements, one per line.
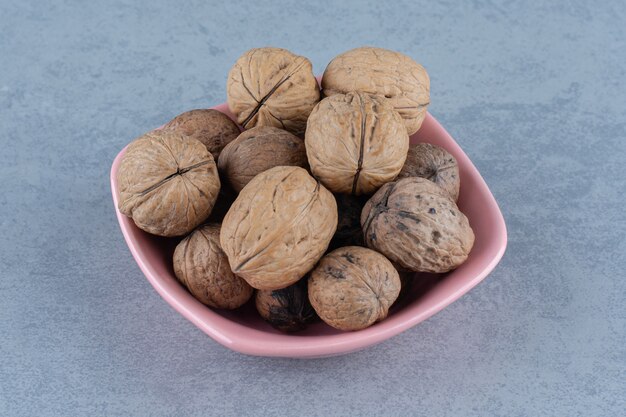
<point>435,164</point>
<point>211,127</point>
<point>259,149</point>
<point>202,267</point>
<point>278,227</point>
<point>272,87</point>
<point>167,183</point>
<point>415,224</point>
<point>353,287</point>
<point>381,71</point>
<point>355,142</point>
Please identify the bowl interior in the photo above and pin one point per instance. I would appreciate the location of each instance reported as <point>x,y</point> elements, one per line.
<point>243,330</point>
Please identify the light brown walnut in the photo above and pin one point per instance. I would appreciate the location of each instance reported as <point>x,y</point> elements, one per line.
<point>381,71</point>
<point>355,142</point>
<point>167,183</point>
<point>211,127</point>
<point>353,287</point>
<point>278,227</point>
<point>272,87</point>
<point>202,267</point>
<point>415,223</point>
<point>257,150</point>
<point>435,164</point>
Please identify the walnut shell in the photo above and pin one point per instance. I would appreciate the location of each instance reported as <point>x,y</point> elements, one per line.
<point>272,87</point>
<point>414,223</point>
<point>257,150</point>
<point>435,164</point>
<point>202,267</point>
<point>381,71</point>
<point>349,231</point>
<point>353,287</point>
<point>278,227</point>
<point>211,127</point>
<point>355,142</point>
<point>167,183</point>
<point>288,309</point>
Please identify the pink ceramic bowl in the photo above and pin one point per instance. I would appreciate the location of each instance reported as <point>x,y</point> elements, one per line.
<point>244,331</point>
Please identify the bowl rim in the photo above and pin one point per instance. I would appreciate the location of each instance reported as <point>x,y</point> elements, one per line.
<point>224,331</point>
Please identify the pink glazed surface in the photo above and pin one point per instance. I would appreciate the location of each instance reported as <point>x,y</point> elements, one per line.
<point>244,331</point>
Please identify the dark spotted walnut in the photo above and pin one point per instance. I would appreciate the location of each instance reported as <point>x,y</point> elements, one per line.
<point>257,150</point>
<point>211,127</point>
<point>435,164</point>
<point>349,231</point>
<point>288,309</point>
<point>278,227</point>
<point>381,71</point>
<point>167,183</point>
<point>202,267</point>
<point>272,87</point>
<point>415,224</point>
<point>353,287</point>
<point>355,142</point>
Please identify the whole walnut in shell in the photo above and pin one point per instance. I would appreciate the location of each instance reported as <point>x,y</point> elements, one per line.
<point>435,164</point>
<point>278,227</point>
<point>349,231</point>
<point>416,224</point>
<point>353,287</point>
<point>381,71</point>
<point>257,150</point>
<point>272,87</point>
<point>167,183</point>
<point>211,127</point>
<point>202,267</point>
<point>287,309</point>
<point>355,142</point>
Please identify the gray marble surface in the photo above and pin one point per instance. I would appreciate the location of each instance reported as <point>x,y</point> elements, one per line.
<point>533,92</point>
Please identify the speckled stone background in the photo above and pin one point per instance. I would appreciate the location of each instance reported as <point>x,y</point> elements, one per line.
<point>535,94</point>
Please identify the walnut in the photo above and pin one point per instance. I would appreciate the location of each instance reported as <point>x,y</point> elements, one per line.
<point>435,164</point>
<point>202,267</point>
<point>353,287</point>
<point>167,183</point>
<point>381,71</point>
<point>355,142</point>
<point>349,231</point>
<point>257,150</point>
<point>211,127</point>
<point>272,87</point>
<point>288,309</point>
<point>278,227</point>
<point>415,224</point>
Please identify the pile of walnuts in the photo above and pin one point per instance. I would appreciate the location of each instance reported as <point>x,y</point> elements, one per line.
<point>320,204</point>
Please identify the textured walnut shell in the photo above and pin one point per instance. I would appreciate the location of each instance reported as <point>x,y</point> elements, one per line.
<point>381,71</point>
<point>211,127</point>
<point>435,164</point>
<point>288,309</point>
<point>257,150</point>
<point>272,87</point>
<point>202,267</point>
<point>278,227</point>
<point>349,231</point>
<point>353,287</point>
<point>355,142</point>
<point>167,183</point>
<point>415,223</point>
